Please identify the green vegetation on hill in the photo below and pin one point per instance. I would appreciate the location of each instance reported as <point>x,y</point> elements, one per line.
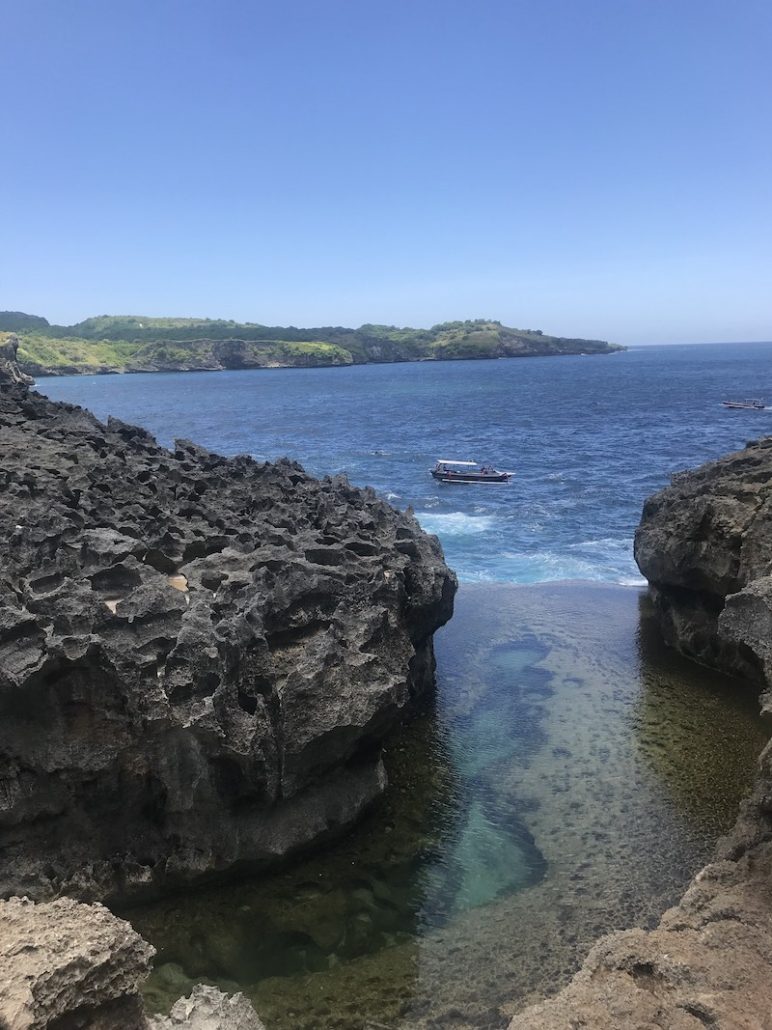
<point>134,344</point>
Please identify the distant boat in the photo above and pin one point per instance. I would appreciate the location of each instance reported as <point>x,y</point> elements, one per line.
<point>754,404</point>
<point>446,471</point>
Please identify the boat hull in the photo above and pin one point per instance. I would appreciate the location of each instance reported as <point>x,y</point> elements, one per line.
<point>470,477</point>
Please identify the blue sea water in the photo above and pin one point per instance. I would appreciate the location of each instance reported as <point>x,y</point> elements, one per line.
<point>589,438</point>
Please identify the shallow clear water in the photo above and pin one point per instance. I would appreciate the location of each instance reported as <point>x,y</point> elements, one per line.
<point>569,777</point>
<point>589,437</point>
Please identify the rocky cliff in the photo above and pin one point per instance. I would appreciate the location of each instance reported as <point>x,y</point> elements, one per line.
<point>705,546</point>
<point>199,656</point>
<point>140,344</point>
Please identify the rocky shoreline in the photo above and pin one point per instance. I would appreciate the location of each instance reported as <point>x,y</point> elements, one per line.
<point>199,659</point>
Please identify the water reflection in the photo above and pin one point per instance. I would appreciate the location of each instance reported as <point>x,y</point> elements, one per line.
<point>685,714</point>
<point>569,777</point>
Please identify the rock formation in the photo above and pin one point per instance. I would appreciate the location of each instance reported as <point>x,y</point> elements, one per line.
<point>199,656</point>
<point>10,373</point>
<point>65,960</point>
<point>67,966</point>
<point>209,1009</point>
<point>705,545</point>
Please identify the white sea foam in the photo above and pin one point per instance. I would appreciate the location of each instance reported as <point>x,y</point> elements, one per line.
<point>604,545</point>
<point>454,523</point>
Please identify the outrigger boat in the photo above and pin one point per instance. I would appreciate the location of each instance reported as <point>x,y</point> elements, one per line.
<point>753,403</point>
<point>446,471</point>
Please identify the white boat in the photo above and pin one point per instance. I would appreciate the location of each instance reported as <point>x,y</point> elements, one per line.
<point>447,471</point>
<point>752,403</point>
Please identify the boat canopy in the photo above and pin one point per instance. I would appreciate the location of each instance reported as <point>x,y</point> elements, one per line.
<point>446,461</point>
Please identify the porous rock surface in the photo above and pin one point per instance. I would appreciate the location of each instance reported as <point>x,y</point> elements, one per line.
<point>66,965</point>
<point>199,656</point>
<point>705,545</point>
<point>209,1009</point>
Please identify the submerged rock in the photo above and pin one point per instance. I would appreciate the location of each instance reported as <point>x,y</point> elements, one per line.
<point>199,656</point>
<point>708,963</point>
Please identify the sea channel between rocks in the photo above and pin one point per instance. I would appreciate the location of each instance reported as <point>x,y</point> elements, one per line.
<point>168,669</point>
<point>570,776</point>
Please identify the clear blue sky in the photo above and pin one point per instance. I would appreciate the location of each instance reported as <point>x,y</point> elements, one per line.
<point>589,167</point>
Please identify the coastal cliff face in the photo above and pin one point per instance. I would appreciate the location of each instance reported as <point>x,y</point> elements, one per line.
<point>199,656</point>
<point>133,344</point>
<point>705,546</point>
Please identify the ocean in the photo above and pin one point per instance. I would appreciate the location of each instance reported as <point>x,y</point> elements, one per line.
<point>571,773</point>
<point>589,438</point>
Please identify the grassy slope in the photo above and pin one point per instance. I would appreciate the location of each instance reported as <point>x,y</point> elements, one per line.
<point>130,343</point>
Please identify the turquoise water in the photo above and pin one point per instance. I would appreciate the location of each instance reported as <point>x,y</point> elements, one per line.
<point>568,778</point>
<point>589,438</point>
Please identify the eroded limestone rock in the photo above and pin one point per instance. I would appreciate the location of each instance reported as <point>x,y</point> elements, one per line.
<point>63,964</point>
<point>199,656</point>
<point>209,1009</point>
<point>705,545</point>
<point>68,966</point>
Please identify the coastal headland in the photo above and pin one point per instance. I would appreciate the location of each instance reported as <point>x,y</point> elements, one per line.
<point>110,344</point>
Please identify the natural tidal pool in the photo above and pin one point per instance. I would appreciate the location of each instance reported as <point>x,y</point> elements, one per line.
<point>568,778</point>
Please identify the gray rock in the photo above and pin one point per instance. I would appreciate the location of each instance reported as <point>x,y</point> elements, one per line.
<point>66,964</point>
<point>10,373</point>
<point>705,545</point>
<point>199,656</point>
<point>209,1009</point>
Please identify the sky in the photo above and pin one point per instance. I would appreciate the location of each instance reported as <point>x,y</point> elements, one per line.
<point>596,168</point>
